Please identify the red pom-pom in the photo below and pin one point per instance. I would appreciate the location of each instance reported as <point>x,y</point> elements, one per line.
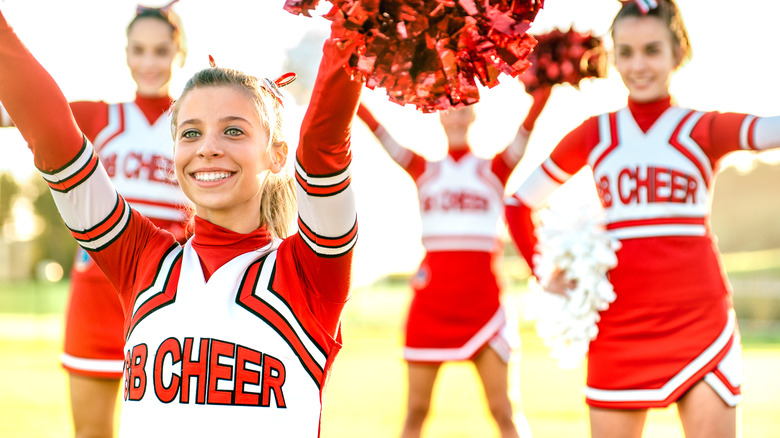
<point>565,58</point>
<point>427,53</point>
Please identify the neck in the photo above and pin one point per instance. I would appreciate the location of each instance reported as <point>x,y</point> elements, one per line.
<point>230,220</point>
<point>162,92</point>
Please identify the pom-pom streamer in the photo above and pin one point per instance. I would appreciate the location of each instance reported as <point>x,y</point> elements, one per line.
<point>584,253</point>
<point>431,53</point>
<point>565,58</point>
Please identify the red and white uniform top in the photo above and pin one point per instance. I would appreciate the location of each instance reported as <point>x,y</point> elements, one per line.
<point>137,154</point>
<point>461,205</point>
<point>229,333</point>
<point>461,196</point>
<point>654,167</point>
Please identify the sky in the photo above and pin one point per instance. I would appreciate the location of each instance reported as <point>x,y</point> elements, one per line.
<point>81,43</point>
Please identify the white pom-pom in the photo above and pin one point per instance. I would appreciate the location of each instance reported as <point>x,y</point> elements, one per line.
<point>577,245</point>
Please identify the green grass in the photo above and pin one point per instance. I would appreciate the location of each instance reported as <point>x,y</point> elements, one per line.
<point>33,297</point>
<point>366,393</point>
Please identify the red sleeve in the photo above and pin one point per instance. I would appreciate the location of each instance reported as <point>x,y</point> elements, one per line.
<point>571,153</point>
<point>36,104</point>
<point>718,133</point>
<point>91,117</point>
<point>326,127</point>
<point>519,219</point>
<point>327,225</point>
<point>501,169</point>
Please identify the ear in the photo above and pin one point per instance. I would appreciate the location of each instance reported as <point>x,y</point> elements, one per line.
<point>278,156</point>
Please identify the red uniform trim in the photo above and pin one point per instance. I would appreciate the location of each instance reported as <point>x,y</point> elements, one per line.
<point>118,131</point>
<point>322,190</point>
<point>657,221</point>
<point>751,142</point>
<point>251,302</point>
<point>613,132</point>
<point>102,228</point>
<point>674,141</point>
<point>163,297</point>
<point>327,242</point>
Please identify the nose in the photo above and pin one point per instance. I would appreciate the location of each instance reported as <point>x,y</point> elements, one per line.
<point>210,147</point>
<point>639,62</point>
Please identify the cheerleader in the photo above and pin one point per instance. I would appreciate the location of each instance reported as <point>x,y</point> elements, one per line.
<point>235,331</point>
<point>671,335</point>
<point>456,313</point>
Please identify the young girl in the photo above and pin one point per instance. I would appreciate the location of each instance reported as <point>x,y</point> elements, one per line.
<point>671,335</point>
<point>456,312</point>
<point>235,331</point>
<point>134,143</point>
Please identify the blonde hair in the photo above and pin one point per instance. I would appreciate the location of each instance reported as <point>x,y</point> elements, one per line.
<point>278,202</point>
<point>669,14</point>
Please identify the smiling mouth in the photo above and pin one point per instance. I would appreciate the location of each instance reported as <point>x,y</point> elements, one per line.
<point>211,176</point>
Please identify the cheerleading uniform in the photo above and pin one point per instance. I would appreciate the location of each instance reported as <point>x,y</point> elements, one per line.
<point>228,333</point>
<point>671,324</point>
<point>456,309</point>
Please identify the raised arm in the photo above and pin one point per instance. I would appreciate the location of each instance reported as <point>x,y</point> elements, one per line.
<point>35,103</point>
<point>505,162</point>
<point>413,164</point>
<point>327,221</point>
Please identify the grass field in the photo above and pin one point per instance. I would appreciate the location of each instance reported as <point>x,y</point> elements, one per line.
<point>365,396</point>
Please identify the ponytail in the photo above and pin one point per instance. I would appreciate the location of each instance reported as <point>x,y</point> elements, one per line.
<point>278,205</point>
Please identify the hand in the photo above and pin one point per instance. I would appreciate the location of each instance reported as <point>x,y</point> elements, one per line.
<point>558,284</point>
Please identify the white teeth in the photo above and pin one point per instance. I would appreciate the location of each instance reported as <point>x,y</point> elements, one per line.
<point>211,176</point>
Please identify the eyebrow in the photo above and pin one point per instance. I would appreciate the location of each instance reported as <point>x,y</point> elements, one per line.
<point>234,118</point>
<point>221,120</point>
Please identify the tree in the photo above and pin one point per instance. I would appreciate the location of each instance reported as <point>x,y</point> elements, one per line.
<point>54,241</point>
<point>8,191</point>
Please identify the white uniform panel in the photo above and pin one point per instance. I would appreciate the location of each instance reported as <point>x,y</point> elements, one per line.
<point>653,183</point>
<point>138,158</point>
<point>461,205</point>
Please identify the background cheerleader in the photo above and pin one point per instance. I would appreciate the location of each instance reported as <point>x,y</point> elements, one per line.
<point>670,336</point>
<point>456,311</point>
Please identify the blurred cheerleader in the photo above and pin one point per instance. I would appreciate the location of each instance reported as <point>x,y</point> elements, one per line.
<point>671,335</point>
<point>456,313</point>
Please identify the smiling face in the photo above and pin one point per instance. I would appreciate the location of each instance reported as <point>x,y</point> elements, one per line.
<point>645,57</point>
<point>222,156</point>
<point>151,52</point>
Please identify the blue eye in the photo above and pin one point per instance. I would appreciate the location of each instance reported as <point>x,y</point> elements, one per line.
<point>233,132</point>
